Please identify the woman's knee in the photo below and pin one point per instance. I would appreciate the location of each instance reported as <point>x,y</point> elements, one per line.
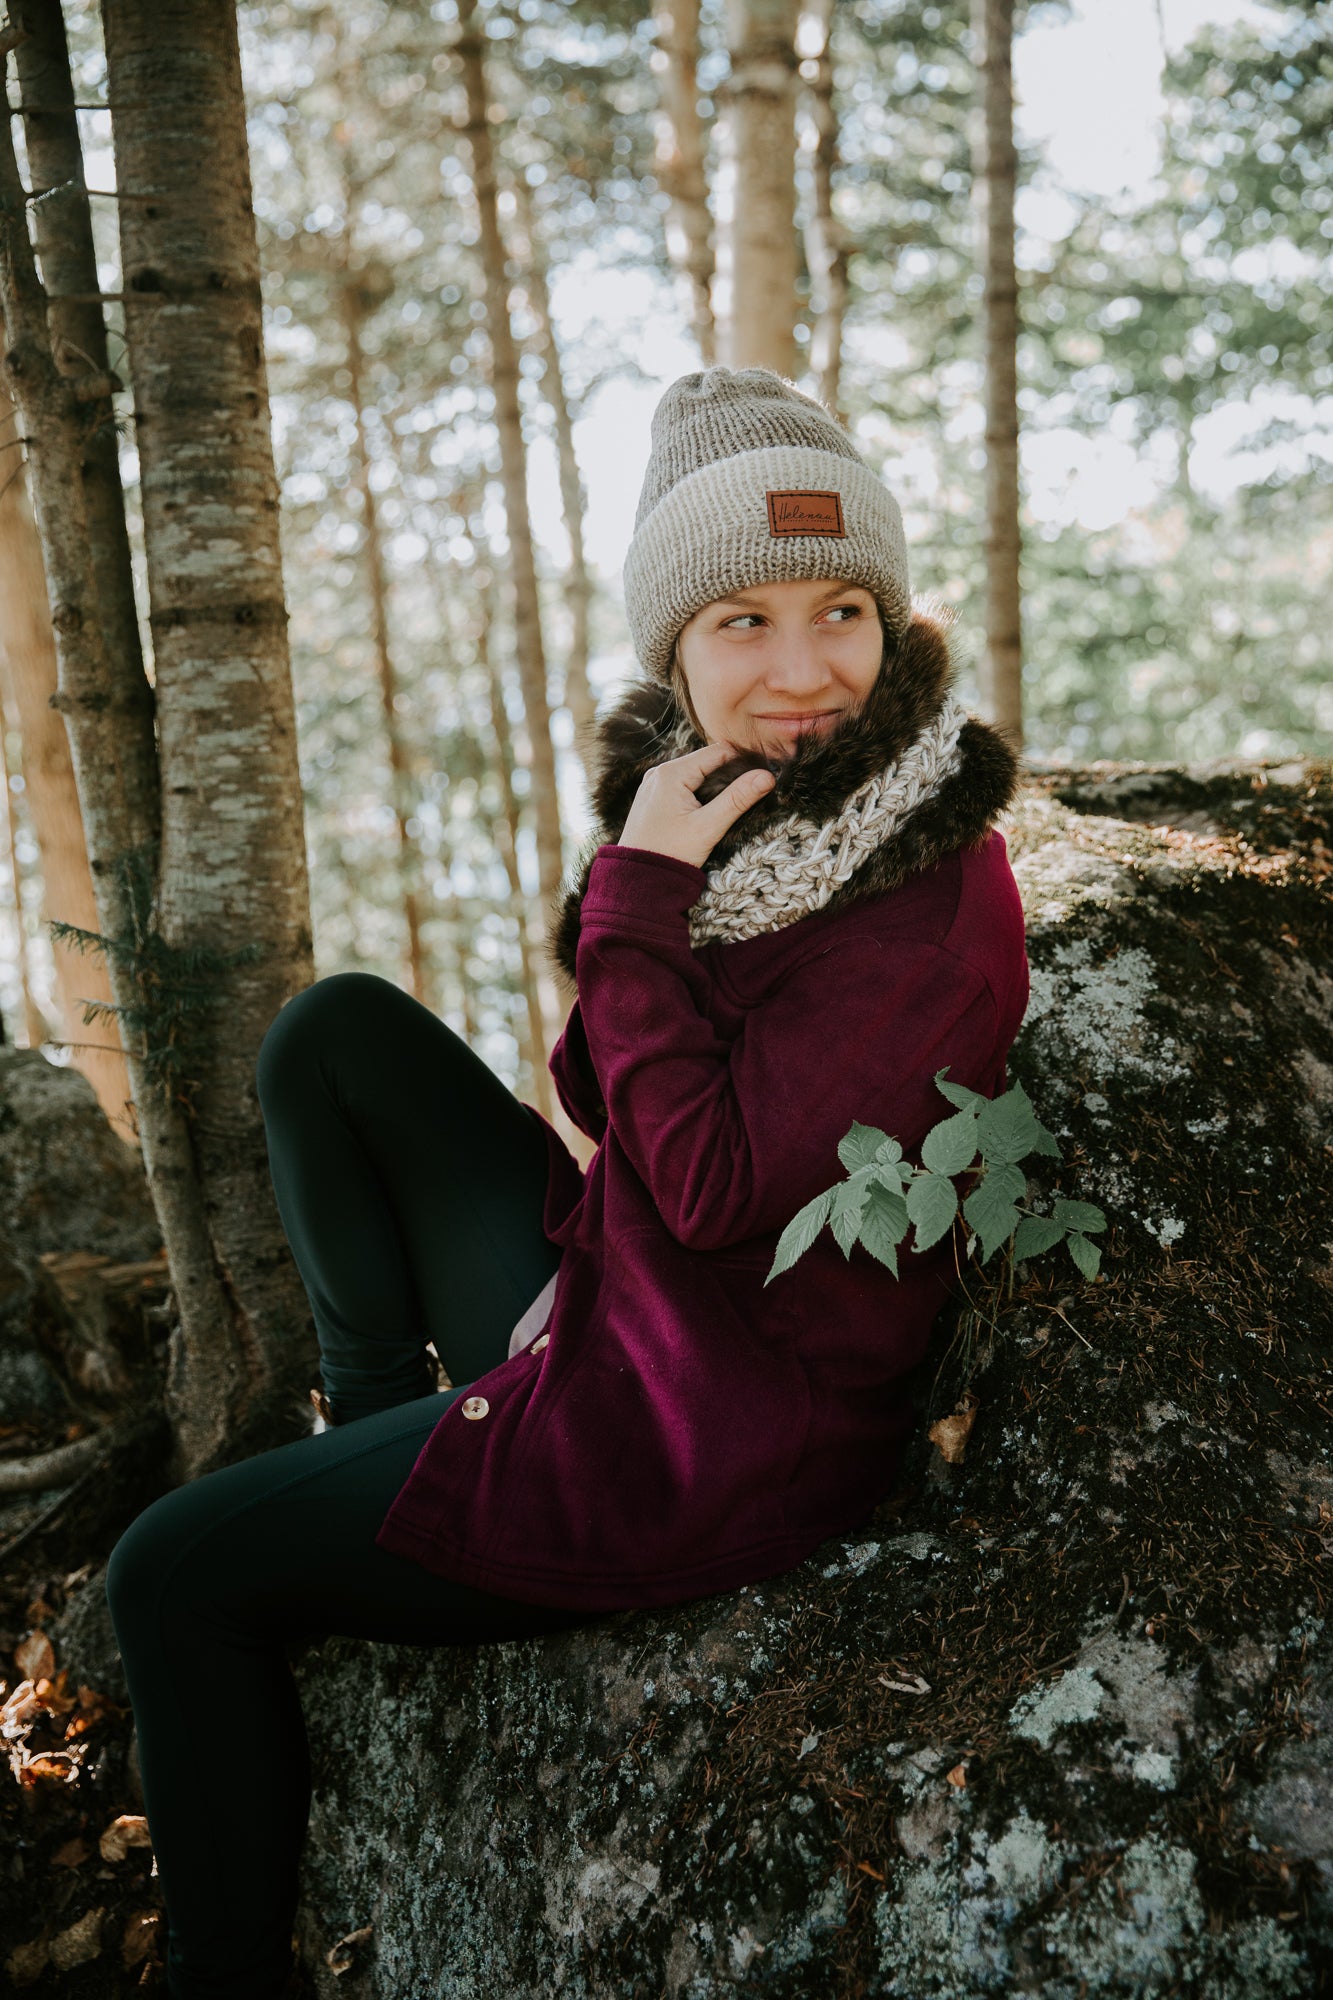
<point>145,1556</point>
<point>343,1003</point>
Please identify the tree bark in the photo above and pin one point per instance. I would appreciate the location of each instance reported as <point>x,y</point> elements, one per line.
<point>353,300</point>
<point>513,459</point>
<point>63,232</point>
<point>233,890</point>
<point>995,168</point>
<point>578,584</point>
<point>115,771</point>
<point>30,676</point>
<point>679,162</point>
<point>758,239</point>
<point>505,824</point>
<point>825,239</point>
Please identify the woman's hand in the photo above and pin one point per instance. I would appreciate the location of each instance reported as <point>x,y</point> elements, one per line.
<point>667,818</point>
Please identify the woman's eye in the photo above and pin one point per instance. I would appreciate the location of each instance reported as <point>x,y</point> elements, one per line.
<point>741,616</point>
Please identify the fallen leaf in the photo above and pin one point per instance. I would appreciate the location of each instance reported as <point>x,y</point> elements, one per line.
<point>26,1965</point>
<point>915,1686</point>
<point>81,1942</point>
<point>957,1777</point>
<point>53,1694</point>
<point>130,1830</point>
<point>866,1869</point>
<point>59,1767</point>
<point>952,1433</point>
<point>38,1611</point>
<point>34,1656</point>
<point>72,1854</point>
<point>340,1958</point>
<point>139,1938</point>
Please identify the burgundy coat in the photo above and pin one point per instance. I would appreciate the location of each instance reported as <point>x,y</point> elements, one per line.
<point>687,1428</point>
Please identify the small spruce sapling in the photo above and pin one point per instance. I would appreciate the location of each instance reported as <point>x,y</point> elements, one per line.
<point>884,1195</point>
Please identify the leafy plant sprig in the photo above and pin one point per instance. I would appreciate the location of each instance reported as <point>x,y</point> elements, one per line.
<point>884,1195</point>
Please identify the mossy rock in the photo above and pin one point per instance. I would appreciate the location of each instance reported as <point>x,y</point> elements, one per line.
<point>1056,1719</point>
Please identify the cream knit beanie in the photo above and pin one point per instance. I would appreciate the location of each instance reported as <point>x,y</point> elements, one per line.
<point>750,481</point>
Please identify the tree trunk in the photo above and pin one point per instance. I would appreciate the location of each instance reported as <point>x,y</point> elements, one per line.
<point>505,825</point>
<point>233,891</point>
<point>28,667</point>
<point>353,302</point>
<point>995,168</point>
<point>578,584</point>
<point>825,239</point>
<point>63,230</point>
<point>758,239</point>
<point>116,773</point>
<point>528,646</point>
<point>679,163</point>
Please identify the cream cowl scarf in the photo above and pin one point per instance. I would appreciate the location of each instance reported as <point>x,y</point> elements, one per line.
<point>791,869</point>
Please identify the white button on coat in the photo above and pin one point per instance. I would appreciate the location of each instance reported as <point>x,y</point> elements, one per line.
<point>476,1406</point>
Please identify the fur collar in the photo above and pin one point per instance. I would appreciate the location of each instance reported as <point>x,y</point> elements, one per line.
<point>647,727</point>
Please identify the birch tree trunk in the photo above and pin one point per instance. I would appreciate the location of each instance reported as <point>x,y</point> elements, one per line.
<point>354,299</point>
<point>578,583</point>
<point>513,460</point>
<point>825,239</point>
<point>1001,673</point>
<point>116,775</point>
<point>679,163</point>
<point>233,891</point>
<point>758,238</point>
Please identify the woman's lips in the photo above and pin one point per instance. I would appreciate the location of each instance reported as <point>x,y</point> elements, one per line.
<point>796,724</point>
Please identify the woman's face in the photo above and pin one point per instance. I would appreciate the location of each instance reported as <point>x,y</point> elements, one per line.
<point>773,661</point>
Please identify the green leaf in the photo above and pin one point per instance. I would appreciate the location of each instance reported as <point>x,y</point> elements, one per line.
<point>951,1145</point>
<point>1045,1142</point>
<point>958,1093</point>
<point>889,1151</point>
<point>845,1215</point>
<point>932,1203</point>
<point>990,1208</point>
<point>1085,1253</point>
<point>800,1233</point>
<point>884,1225</point>
<point>1035,1234</point>
<point>1007,1126</point>
<point>858,1147</point>
<point>1078,1214</point>
<point>893,1174</point>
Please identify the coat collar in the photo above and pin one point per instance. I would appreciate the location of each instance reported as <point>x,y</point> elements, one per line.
<point>647,727</point>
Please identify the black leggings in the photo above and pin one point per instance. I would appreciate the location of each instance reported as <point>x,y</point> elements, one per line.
<point>410,1183</point>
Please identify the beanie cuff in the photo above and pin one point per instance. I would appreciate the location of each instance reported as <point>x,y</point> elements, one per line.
<point>714,531</point>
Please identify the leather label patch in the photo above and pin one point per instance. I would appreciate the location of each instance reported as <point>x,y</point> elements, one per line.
<point>797,513</point>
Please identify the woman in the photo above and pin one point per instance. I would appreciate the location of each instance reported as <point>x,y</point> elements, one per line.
<point>794,912</point>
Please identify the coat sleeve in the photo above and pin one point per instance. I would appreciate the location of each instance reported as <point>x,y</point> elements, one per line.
<point>732,1138</point>
<point>575,1078</point>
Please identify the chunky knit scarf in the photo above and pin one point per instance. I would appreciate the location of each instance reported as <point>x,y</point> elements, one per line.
<point>793,867</point>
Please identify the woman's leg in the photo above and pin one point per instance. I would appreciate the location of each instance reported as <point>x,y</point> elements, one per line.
<point>206,1588</point>
<point>410,1182</point>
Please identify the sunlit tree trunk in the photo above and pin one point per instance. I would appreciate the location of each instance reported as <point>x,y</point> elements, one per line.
<point>679,164</point>
<point>29,671</point>
<point>513,460</point>
<point>758,240</point>
<point>825,239</point>
<point>578,583</point>
<point>400,776</point>
<point>996,162</point>
<point>233,891</point>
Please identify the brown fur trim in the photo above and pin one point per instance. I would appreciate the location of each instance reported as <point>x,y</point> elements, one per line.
<point>647,727</point>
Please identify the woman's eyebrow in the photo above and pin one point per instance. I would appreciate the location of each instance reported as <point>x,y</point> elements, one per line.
<point>746,597</point>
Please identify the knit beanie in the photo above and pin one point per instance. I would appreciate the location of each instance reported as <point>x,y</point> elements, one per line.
<point>749,482</point>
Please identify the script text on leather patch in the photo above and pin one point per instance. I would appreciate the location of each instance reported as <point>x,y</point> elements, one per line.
<point>797,513</point>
